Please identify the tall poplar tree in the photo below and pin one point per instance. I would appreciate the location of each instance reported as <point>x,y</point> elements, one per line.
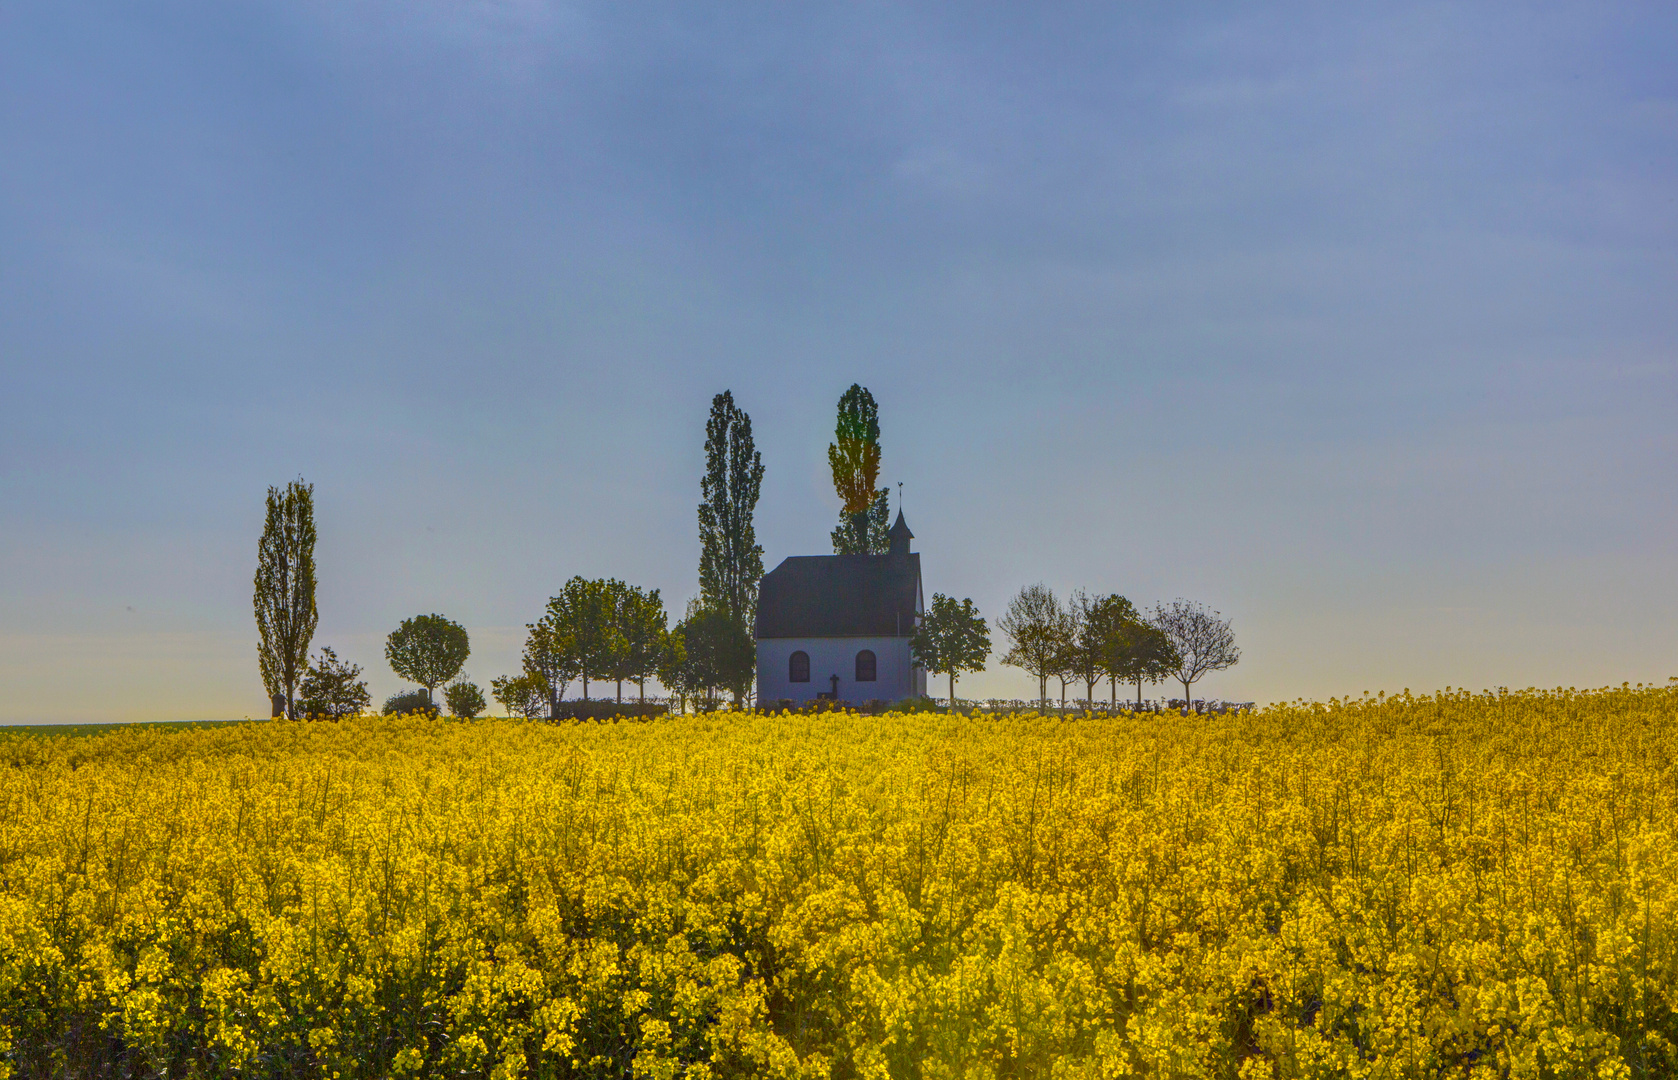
<point>854,457</point>
<point>730,558</point>
<point>285,591</point>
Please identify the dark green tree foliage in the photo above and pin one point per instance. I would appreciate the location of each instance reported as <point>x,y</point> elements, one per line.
<point>717,655</point>
<point>673,668</point>
<point>952,638</point>
<point>876,526</point>
<point>1096,620</point>
<point>854,457</point>
<point>643,628</point>
<point>1143,653</point>
<point>464,699</point>
<point>285,590</point>
<point>549,660</point>
<point>409,703</point>
<point>522,695</point>
<point>582,628</point>
<point>730,558</point>
<point>427,649</point>
<point>332,689</point>
<point>1123,647</point>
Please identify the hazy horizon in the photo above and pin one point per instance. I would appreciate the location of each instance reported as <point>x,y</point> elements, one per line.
<point>1357,326</point>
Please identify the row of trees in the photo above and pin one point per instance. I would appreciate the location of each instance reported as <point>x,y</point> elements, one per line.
<point>1088,639</point>
<point>603,630</point>
<point>1091,639</point>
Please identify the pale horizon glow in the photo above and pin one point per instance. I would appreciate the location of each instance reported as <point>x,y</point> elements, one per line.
<point>1355,325</point>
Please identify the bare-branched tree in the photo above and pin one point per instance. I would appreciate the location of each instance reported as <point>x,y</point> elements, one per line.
<point>1201,638</point>
<point>1036,625</point>
<point>1082,662</point>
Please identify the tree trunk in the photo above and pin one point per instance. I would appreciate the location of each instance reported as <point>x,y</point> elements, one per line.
<point>643,685</point>
<point>585,686</point>
<point>553,703</point>
<point>1138,691</point>
<point>1185,694</point>
<point>620,691</point>
<point>952,689</point>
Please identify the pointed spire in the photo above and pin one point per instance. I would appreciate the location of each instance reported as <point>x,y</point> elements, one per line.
<point>900,536</point>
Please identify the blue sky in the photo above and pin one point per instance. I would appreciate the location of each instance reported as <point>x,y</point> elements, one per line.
<point>1357,324</point>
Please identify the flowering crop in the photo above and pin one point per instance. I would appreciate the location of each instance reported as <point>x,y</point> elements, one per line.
<point>1451,885</point>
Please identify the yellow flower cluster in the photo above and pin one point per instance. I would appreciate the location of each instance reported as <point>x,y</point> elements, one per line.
<point>1452,885</point>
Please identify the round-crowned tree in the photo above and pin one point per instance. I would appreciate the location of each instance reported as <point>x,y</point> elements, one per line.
<point>427,649</point>
<point>464,699</point>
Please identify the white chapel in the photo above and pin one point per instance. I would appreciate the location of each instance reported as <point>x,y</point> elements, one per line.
<point>838,626</point>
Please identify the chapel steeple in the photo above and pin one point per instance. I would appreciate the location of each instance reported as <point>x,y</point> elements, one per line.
<point>900,536</point>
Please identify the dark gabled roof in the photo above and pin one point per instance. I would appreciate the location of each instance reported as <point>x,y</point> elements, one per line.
<point>819,596</point>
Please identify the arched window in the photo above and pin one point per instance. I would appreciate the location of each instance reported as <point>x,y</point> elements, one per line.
<point>798,667</point>
<point>865,666</point>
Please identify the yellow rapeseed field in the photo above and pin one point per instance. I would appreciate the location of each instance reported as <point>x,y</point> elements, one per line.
<point>1451,885</point>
